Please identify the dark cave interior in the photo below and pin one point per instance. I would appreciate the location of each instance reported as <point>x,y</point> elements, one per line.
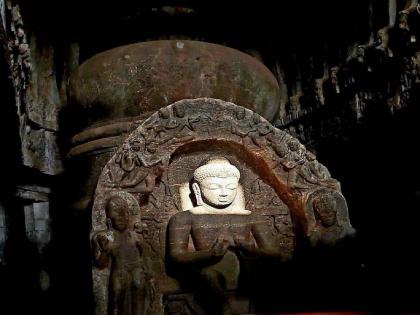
<point>377,271</point>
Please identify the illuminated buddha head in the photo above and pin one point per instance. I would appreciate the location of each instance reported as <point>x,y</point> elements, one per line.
<point>216,183</point>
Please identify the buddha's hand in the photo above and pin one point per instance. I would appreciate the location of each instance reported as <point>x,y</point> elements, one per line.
<point>245,245</point>
<point>219,247</point>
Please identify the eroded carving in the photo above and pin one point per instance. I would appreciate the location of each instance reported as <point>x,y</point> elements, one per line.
<point>329,218</point>
<point>120,249</point>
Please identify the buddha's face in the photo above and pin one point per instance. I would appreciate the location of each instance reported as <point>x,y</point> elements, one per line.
<point>119,215</point>
<point>219,191</point>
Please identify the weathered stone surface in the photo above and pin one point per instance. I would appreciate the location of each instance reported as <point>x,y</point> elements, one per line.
<point>43,97</point>
<point>33,193</point>
<point>32,69</point>
<point>40,150</point>
<point>156,165</point>
<point>138,79</point>
<point>37,223</point>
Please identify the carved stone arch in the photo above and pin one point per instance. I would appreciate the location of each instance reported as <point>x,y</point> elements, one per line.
<point>256,181</point>
<point>162,152</point>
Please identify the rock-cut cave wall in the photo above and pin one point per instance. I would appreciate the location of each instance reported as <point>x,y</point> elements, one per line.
<point>348,74</point>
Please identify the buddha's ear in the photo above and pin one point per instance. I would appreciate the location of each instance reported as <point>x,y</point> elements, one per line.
<point>197,193</point>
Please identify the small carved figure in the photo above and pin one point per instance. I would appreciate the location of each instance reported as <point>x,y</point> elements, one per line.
<point>319,91</point>
<point>312,173</point>
<point>185,125</point>
<point>290,152</point>
<point>295,154</point>
<point>261,129</point>
<point>328,227</point>
<point>121,248</point>
<point>142,180</point>
<point>134,174</point>
<point>174,128</point>
<point>332,86</point>
<point>243,126</point>
<point>292,131</point>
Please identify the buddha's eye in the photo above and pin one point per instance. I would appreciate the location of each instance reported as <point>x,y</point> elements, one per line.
<point>231,187</point>
<point>213,187</point>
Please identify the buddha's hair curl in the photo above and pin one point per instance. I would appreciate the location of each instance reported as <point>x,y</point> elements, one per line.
<point>216,167</point>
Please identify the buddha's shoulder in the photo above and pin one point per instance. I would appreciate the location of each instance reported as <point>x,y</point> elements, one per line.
<point>181,217</point>
<point>258,218</point>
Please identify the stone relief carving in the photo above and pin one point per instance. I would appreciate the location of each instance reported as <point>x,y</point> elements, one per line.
<point>159,166</point>
<point>120,248</point>
<point>328,218</point>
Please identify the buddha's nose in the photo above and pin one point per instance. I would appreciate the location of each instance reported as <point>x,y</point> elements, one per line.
<point>223,192</point>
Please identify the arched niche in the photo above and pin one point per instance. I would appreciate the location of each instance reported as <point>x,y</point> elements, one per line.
<point>280,179</point>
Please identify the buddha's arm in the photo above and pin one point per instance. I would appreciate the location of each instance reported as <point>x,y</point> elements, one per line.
<point>266,242</point>
<point>179,230</point>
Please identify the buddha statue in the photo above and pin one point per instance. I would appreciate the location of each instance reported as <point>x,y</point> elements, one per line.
<point>218,227</point>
